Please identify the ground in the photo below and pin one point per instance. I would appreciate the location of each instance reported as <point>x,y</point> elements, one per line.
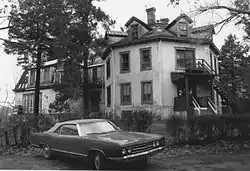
<point>239,160</point>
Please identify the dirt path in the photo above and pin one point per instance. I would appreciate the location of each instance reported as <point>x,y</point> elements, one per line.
<point>239,161</point>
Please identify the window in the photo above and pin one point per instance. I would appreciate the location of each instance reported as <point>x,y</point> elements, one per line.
<point>32,77</point>
<point>125,62</point>
<point>134,31</point>
<point>147,92</point>
<point>183,30</point>
<point>94,75</point>
<point>108,96</point>
<point>58,76</point>
<point>126,94</point>
<point>185,58</point>
<point>28,102</point>
<point>46,78</point>
<point>69,130</point>
<point>108,68</point>
<point>146,59</point>
<point>97,127</point>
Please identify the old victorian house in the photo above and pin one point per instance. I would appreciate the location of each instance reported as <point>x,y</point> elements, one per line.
<point>51,76</point>
<point>169,65</point>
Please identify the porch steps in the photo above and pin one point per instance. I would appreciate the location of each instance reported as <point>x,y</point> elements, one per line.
<point>225,93</point>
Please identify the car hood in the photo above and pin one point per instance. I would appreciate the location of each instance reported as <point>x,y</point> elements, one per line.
<point>124,137</point>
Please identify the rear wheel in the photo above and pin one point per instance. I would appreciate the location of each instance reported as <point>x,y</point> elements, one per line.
<point>98,161</point>
<point>47,152</point>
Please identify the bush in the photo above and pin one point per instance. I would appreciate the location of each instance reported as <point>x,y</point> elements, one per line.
<point>142,119</point>
<point>174,125</point>
<point>209,128</point>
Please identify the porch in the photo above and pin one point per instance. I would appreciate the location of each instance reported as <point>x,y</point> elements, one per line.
<point>194,92</point>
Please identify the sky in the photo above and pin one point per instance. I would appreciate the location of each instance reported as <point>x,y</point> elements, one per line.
<point>121,11</point>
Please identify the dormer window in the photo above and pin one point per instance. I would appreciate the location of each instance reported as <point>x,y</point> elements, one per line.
<point>183,29</point>
<point>134,31</point>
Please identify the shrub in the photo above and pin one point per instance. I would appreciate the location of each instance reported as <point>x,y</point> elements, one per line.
<point>176,125</point>
<point>142,119</point>
<point>209,128</point>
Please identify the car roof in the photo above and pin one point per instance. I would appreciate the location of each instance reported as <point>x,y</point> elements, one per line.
<point>79,121</point>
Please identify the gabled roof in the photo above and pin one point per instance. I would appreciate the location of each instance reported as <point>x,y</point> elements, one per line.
<point>139,21</point>
<point>115,33</point>
<point>177,19</point>
<point>164,34</point>
<point>203,28</point>
<point>23,82</point>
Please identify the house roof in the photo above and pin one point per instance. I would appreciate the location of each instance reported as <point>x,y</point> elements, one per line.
<point>23,81</point>
<point>22,84</point>
<point>116,33</point>
<point>139,21</point>
<point>165,35</point>
<point>203,28</point>
<point>177,19</point>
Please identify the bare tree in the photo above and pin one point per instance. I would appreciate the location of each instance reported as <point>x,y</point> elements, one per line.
<point>226,11</point>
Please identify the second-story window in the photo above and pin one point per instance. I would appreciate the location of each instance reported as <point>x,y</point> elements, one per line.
<point>183,29</point>
<point>46,75</point>
<point>126,94</point>
<point>108,96</point>
<point>146,59</point>
<point>147,92</point>
<point>32,77</point>
<point>134,31</point>
<point>125,66</point>
<point>94,75</point>
<point>108,69</point>
<point>185,58</point>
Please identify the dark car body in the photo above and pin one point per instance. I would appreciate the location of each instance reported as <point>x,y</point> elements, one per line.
<point>115,145</point>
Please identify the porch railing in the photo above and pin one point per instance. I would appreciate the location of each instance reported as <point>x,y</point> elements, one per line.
<point>196,105</point>
<point>201,63</point>
<point>213,107</point>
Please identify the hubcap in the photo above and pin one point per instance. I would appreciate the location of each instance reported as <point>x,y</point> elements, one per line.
<point>46,151</point>
<point>97,162</point>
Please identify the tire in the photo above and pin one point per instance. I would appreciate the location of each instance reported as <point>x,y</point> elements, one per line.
<point>98,161</point>
<point>47,152</point>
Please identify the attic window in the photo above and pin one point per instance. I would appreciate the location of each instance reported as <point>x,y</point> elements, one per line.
<point>183,29</point>
<point>134,31</point>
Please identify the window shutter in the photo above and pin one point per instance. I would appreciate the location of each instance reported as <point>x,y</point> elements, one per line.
<point>42,76</point>
<point>130,33</point>
<point>140,30</point>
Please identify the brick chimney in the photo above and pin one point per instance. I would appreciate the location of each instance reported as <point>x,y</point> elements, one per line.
<point>151,15</point>
<point>164,21</point>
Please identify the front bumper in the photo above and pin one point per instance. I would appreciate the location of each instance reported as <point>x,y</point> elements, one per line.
<point>137,156</point>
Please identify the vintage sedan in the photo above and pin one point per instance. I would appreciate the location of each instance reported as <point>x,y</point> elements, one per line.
<point>99,141</point>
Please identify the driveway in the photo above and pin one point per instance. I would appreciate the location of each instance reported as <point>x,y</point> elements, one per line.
<point>239,160</point>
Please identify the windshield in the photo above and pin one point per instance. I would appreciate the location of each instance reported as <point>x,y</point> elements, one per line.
<point>96,128</point>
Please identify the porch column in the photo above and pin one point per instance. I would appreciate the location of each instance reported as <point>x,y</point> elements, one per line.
<point>187,94</point>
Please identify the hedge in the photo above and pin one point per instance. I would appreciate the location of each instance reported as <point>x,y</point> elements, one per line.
<point>209,128</point>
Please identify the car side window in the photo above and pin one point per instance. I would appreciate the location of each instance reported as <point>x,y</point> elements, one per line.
<point>58,130</point>
<point>69,130</point>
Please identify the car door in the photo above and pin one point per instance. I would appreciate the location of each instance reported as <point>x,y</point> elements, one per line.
<point>55,140</point>
<point>70,141</point>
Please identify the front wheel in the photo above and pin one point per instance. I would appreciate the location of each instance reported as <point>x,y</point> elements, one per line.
<point>99,161</point>
<point>47,152</point>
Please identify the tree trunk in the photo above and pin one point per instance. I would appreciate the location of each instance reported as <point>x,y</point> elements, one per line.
<point>85,87</point>
<point>37,86</point>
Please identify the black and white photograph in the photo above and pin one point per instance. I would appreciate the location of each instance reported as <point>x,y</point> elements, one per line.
<point>153,85</point>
